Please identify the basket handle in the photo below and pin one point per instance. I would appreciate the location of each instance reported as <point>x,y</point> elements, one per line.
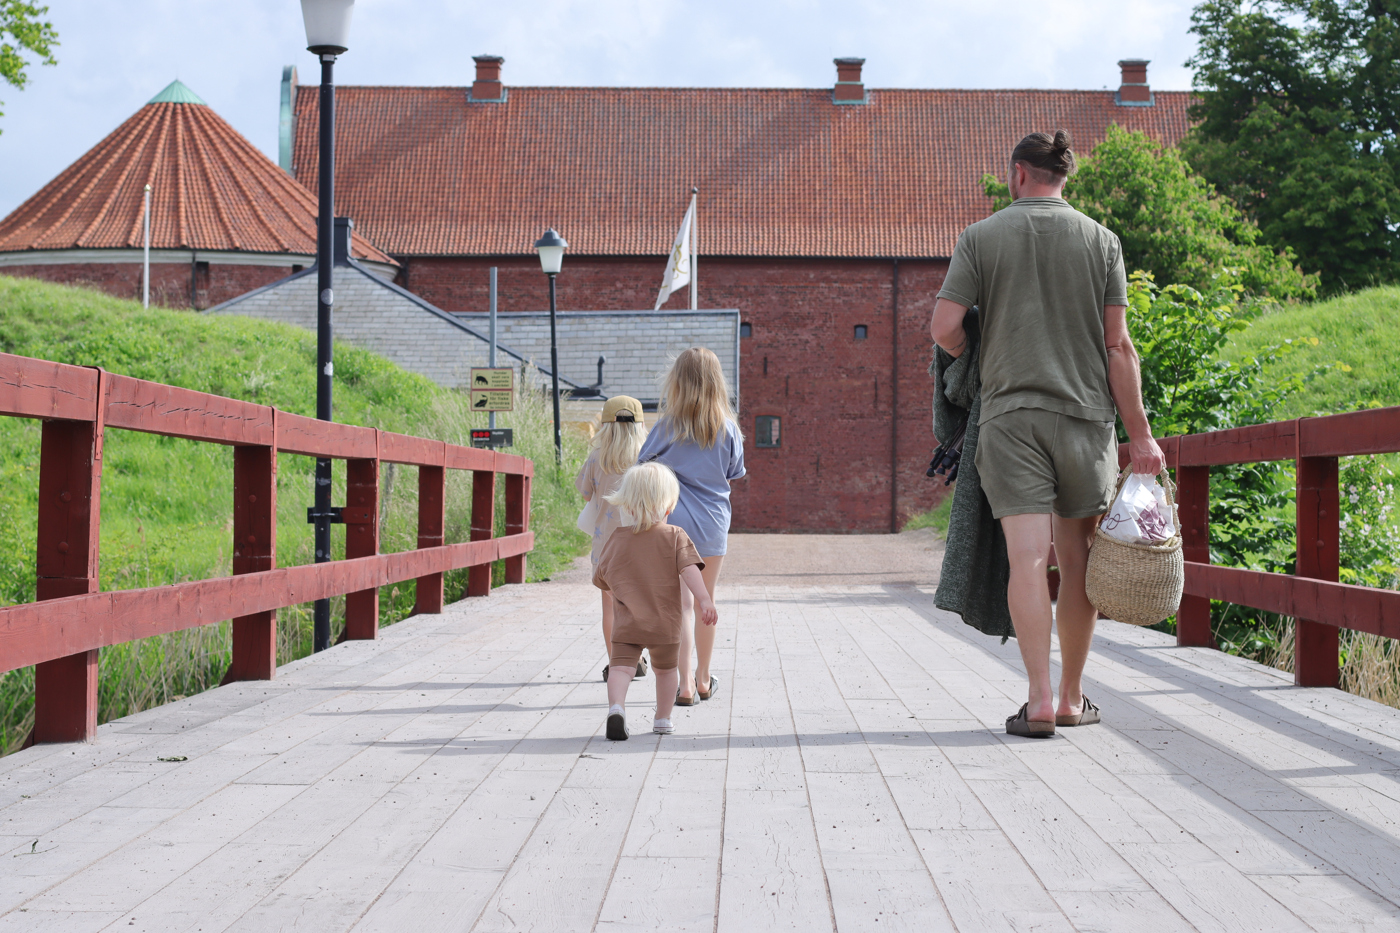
<point>1167,484</point>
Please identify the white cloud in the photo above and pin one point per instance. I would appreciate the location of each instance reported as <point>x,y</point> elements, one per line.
<point>115,56</point>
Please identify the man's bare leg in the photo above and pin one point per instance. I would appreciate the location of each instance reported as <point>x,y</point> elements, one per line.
<point>1074,615</point>
<point>1028,595</point>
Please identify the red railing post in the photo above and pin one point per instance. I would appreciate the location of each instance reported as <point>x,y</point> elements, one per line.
<point>432,516</point>
<point>66,564</point>
<point>1319,557</point>
<point>1193,508</point>
<point>361,515</point>
<point>517,521</point>
<point>483,528</point>
<point>254,550</point>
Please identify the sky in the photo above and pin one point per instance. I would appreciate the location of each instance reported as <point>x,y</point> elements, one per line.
<point>115,56</point>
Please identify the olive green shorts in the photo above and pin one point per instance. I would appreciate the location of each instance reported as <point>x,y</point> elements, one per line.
<point>1033,461</point>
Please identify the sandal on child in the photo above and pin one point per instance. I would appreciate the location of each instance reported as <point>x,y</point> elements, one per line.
<point>1021,724</point>
<point>617,724</point>
<point>1085,717</point>
<point>714,686</point>
<point>684,701</point>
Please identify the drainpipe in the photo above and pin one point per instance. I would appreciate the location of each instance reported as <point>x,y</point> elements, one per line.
<point>894,403</point>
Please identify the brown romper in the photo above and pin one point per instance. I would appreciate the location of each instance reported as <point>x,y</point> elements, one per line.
<point>643,571</point>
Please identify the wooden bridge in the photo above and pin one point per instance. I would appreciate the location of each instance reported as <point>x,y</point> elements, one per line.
<point>852,773</point>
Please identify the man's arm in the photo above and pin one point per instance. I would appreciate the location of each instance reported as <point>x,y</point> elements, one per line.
<point>946,326</point>
<point>1125,382</point>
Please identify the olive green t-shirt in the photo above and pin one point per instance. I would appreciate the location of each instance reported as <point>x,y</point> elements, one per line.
<point>1040,273</point>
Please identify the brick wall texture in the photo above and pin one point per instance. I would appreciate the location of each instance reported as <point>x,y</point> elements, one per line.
<point>856,421</point>
<point>170,282</point>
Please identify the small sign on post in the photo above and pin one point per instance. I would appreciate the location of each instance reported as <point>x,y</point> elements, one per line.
<point>493,388</point>
<point>492,437</point>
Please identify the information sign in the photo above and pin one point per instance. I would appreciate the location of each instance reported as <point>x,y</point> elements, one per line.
<point>493,437</point>
<point>493,388</point>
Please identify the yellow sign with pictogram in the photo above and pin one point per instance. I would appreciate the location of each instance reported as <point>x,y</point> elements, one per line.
<point>493,388</point>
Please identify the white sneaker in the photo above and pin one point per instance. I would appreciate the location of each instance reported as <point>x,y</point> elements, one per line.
<point>662,726</point>
<point>617,724</point>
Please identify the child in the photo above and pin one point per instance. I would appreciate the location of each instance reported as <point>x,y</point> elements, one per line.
<point>698,438</point>
<point>620,435</point>
<point>644,567</point>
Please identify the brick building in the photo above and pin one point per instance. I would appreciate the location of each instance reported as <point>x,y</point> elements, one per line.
<point>826,216</point>
<point>224,218</point>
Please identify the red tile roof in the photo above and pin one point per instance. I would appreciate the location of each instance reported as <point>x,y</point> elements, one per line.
<point>781,172</point>
<point>211,190</point>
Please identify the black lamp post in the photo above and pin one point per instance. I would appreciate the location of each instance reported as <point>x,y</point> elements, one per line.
<point>327,34</point>
<point>551,247</point>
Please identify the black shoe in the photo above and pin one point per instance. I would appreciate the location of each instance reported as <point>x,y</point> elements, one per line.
<point>605,673</point>
<point>617,727</point>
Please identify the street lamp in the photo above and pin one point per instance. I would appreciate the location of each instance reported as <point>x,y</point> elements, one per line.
<point>551,247</point>
<point>327,35</point>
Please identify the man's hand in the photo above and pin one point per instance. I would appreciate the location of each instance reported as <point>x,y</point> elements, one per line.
<point>1147,456</point>
<point>708,614</point>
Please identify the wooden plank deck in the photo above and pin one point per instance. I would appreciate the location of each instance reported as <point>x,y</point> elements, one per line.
<point>851,774</point>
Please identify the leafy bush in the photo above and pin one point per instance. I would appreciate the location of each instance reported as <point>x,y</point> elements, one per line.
<point>1171,221</point>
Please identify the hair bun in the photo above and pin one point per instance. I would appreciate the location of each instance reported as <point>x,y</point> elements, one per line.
<point>1061,143</point>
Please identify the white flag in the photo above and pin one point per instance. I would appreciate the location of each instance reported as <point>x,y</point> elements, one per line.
<point>678,266</point>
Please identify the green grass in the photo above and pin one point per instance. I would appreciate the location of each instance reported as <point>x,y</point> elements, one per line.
<point>1355,337</point>
<point>935,518</point>
<point>167,503</point>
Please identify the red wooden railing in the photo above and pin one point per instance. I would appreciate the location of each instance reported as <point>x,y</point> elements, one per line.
<point>1312,595</point>
<point>62,632</point>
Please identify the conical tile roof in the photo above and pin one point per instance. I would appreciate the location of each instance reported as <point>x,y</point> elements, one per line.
<point>211,189</point>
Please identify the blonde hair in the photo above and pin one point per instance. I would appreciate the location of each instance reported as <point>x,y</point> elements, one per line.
<point>696,397</point>
<point>648,492</point>
<point>618,443</point>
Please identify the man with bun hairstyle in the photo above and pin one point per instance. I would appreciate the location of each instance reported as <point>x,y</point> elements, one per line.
<point>1056,364</point>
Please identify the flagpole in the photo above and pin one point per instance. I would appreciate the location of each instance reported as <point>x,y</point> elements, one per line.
<point>694,249</point>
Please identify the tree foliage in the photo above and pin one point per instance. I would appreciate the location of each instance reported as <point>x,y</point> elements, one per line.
<point>1297,123</point>
<point>1171,222</point>
<point>24,32</point>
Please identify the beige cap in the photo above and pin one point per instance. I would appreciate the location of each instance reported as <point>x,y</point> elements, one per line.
<point>621,403</point>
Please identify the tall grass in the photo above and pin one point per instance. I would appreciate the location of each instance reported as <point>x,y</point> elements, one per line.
<point>167,503</point>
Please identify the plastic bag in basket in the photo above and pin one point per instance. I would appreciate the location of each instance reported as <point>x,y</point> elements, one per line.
<point>1140,514</point>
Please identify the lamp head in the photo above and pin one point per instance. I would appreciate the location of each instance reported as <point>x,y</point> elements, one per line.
<point>327,25</point>
<point>551,247</point>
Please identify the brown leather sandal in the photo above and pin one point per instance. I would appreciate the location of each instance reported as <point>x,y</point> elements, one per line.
<point>1030,728</point>
<point>1086,717</point>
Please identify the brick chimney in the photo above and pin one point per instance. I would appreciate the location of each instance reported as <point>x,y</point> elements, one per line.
<point>1134,90</point>
<point>488,87</point>
<point>849,89</point>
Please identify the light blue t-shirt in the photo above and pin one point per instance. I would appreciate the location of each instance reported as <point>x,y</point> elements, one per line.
<point>705,474</point>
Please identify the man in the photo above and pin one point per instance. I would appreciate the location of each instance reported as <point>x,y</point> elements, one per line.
<point>1056,360</point>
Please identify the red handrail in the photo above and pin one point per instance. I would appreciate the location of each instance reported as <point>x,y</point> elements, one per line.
<point>61,633</point>
<point>1312,595</point>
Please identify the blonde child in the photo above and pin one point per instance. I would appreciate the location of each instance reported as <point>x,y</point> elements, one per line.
<point>698,438</point>
<point>645,567</point>
<point>615,445</point>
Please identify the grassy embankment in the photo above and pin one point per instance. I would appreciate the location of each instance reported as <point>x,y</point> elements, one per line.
<point>167,503</point>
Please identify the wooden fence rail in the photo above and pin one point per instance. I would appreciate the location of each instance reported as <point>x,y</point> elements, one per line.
<point>62,632</point>
<point>1312,595</point>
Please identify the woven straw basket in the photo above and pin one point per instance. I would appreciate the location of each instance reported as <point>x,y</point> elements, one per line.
<point>1139,584</point>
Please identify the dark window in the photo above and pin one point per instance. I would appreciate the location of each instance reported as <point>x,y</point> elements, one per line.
<point>296,268</point>
<point>768,431</point>
<point>201,267</point>
<point>861,331</point>
<point>746,329</point>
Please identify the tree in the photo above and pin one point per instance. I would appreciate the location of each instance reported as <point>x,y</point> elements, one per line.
<point>1297,123</point>
<point>1171,221</point>
<point>22,33</point>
